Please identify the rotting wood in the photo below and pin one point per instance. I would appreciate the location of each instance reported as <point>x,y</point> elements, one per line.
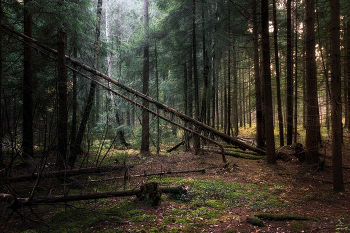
<point>62,173</point>
<point>16,203</point>
<point>151,174</point>
<point>141,95</point>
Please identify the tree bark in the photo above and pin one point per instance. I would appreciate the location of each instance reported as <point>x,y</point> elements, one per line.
<point>312,111</point>
<point>270,140</point>
<point>338,182</point>
<point>62,123</point>
<point>2,165</point>
<point>278,80</point>
<point>27,85</point>
<point>145,83</point>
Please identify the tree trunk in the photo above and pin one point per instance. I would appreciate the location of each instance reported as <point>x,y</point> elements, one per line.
<point>289,74</point>
<point>278,80</point>
<point>228,108</point>
<point>312,112</point>
<point>269,129</point>
<point>348,71</point>
<point>91,96</point>
<point>62,123</point>
<point>2,165</point>
<point>72,157</point>
<point>196,139</point>
<point>296,76</point>
<point>186,134</point>
<point>338,183</point>
<point>27,84</point>
<point>145,83</point>
<point>259,114</point>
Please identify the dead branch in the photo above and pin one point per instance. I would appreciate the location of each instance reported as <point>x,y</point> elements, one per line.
<point>150,174</point>
<point>72,172</point>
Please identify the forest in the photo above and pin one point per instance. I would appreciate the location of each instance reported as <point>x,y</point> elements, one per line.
<point>174,116</point>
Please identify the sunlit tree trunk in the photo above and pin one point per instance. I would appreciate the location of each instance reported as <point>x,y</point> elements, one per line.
<point>278,81</point>
<point>338,183</point>
<point>28,85</point>
<point>312,111</point>
<point>145,82</point>
<point>269,129</point>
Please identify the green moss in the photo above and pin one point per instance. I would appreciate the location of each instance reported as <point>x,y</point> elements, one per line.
<point>141,218</point>
<point>216,204</point>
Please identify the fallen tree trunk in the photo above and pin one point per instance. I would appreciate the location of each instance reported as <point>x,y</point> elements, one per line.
<point>72,172</point>
<point>143,96</point>
<point>234,150</point>
<point>156,114</point>
<point>240,154</point>
<point>151,174</point>
<point>21,202</point>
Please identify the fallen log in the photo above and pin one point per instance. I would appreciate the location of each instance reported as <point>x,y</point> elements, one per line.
<point>240,154</point>
<point>14,202</point>
<point>72,172</point>
<point>151,174</point>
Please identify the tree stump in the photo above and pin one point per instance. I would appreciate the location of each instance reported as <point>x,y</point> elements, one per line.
<point>150,194</point>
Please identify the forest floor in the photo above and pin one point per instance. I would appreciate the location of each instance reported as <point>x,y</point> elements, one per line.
<point>219,200</point>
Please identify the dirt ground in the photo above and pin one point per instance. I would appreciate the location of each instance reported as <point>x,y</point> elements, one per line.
<point>305,192</point>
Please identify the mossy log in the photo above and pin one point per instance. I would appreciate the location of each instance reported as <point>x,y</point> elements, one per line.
<point>62,173</point>
<point>14,202</point>
<point>281,217</point>
<point>255,221</point>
